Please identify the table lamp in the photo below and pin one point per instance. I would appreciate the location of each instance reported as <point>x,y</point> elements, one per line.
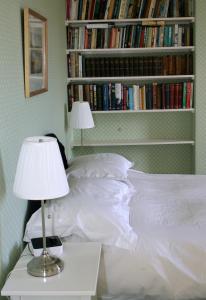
<point>81,117</point>
<point>40,175</point>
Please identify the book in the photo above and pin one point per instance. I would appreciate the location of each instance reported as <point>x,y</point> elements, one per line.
<point>176,96</point>
<point>154,95</point>
<point>149,100</point>
<point>68,6</point>
<point>111,9</point>
<point>94,97</point>
<point>184,95</point>
<point>74,9</point>
<point>159,96</point>
<point>136,96</point>
<point>180,95</point>
<point>91,9</point>
<point>163,96</point>
<point>86,93</point>
<point>172,95</point>
<point>122,9</point>
<point>91,97</point>
<point>84,6</point>
<point>188,94</point>
<point>105,97</point>
<point>96,10</point>
<point>113,97</point>
<point>167,95</point>
<point>80,4</point>
<point>118,95</point>
<point>130,98</point>
<point>151,9</point>
<point>99,96</point>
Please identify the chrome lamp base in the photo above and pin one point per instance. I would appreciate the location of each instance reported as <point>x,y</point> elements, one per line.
<point>45,265</point>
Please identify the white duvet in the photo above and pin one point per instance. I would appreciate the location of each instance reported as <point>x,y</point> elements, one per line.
<point>168,215</point>
<point>168,212</point>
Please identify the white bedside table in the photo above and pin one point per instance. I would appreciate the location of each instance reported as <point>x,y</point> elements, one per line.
<point>78,280</point>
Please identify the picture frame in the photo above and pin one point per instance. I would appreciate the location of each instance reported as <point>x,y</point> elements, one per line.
<point>35,53</point>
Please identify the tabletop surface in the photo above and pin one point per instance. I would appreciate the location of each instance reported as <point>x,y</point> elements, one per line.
<point>79,276</point>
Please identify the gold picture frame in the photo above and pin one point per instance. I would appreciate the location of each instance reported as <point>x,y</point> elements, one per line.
<point>35,53</point>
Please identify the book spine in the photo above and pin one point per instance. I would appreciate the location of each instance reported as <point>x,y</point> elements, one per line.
<point>154,95</point>
<point>188,94</point>
<point>80,86</point>
<point>149,100</point>
<point>113,98</point>
<point>122,9</point>
<point>159,96</point>
<point>172,95</point>
<point>176,95</point>
<point>130,98</point>
<point>74,10</point>
<point>167,95</point>
<point>111,9</point>
<point>68,6</point>
<point>143,97</point>
<point>95,96</point>
<point>91,93</point>
<point>105,97</point>
<point>163,96</point>
<point>99,97</point>
<point>184,95</point>
<point>118,95</point>
<point>176,30</point>
<point>180,95</point>
<point>136,96</point>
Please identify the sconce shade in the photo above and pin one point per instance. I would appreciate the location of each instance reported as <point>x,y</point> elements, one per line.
<point>81,116</point>
<point>40,173</point>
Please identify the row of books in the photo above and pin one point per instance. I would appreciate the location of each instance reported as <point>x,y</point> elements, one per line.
<point>95,36</point>
<point>120,9</point>
<point>80,66</point>
<point>117,96</point>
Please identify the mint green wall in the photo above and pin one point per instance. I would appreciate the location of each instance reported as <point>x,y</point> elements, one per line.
<point>20,117</point>
<point>200,87</point>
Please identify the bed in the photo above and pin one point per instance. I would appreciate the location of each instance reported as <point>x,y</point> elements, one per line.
<point>152,227</point>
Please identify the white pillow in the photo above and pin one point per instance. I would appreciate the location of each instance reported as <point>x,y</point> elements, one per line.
<point>95,209</point>
<point>109,165</point>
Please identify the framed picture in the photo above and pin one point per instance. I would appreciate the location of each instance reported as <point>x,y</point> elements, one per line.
<point>35,53</point>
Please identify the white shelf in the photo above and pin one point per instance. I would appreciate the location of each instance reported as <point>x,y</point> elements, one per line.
<point>81,80</point>
<point>114,51</point>
<point>142,142</point>
<point>180,20</point>
<point>191,110</point>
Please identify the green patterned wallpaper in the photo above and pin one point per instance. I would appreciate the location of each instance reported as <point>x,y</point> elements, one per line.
<point>19,117</point>
<point>200,92</point>
<point>131,126</point>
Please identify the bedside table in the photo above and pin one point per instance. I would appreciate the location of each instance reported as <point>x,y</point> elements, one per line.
<point>77,281</point>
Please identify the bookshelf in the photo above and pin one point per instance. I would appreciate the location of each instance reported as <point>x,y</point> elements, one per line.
<point>107,135</point>
<point>130,79</point>
<point>150,142</point>
<point>131,51</point>
<point>173,20</point>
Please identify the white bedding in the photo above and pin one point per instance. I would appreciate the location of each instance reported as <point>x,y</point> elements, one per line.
<point>168,214</point>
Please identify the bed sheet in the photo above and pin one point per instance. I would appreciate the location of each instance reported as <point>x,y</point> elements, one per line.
<point>168,213</point>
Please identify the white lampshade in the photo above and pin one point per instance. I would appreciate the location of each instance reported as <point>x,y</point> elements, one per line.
<point>81,116</point>
<point>40,173</point>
